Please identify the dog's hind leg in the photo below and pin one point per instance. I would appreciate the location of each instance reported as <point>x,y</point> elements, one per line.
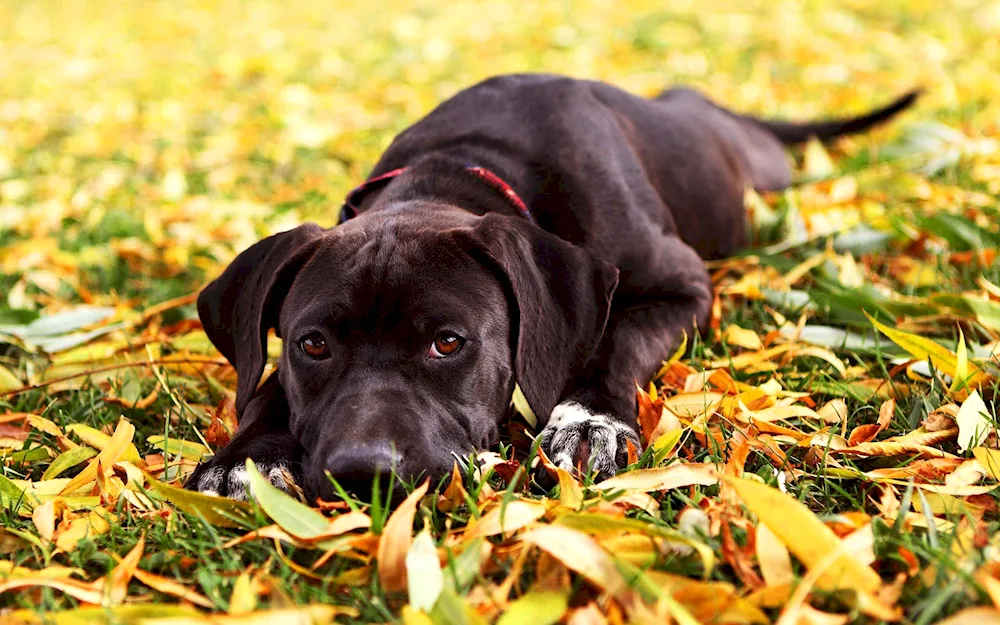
<point>650,315</point>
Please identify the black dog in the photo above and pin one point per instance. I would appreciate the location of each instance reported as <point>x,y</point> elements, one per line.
<point>532,229</point>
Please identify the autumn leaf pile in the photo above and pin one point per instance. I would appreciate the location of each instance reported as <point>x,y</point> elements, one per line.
<point>825,453</point>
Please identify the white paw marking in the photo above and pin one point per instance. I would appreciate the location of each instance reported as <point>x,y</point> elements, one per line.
<point>237,480</point>
<point>239,484</point>
<point>571,425</point>
<point>211,481</point>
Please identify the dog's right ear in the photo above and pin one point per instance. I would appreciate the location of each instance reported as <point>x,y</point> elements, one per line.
<point>240,306</point>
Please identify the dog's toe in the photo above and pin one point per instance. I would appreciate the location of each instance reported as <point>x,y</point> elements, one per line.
<point>575,436</point>
<point>234,481</point>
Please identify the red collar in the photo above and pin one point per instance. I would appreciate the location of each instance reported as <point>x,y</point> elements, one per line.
<point>495,182</point>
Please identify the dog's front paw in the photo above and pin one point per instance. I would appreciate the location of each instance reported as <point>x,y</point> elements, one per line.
<point>575,436</point>
<point>233,480</point>
<point>276,456</point>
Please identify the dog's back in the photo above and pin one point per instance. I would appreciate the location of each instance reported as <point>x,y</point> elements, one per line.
<point>600,167</point>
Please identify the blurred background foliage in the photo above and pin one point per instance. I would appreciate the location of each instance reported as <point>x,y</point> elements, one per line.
<point>144,140</point>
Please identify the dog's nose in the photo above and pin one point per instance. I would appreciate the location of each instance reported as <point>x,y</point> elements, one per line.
<point>356,467</point>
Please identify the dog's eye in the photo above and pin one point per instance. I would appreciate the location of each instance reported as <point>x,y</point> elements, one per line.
<point>314,346</point>
<point>445,344</point>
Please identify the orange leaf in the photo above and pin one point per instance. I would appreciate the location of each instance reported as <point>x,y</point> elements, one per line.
<point>868,432</point>
<point>395,541</point>
<point>650,411</point>
<point>122,574</point>
<point>170,587</point>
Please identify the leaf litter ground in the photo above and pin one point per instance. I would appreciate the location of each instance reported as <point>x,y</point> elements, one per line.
<point>826,453</point>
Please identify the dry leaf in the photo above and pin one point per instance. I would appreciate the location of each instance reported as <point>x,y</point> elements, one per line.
<point>395,541</point>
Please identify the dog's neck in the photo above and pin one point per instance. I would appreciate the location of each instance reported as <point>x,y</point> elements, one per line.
<point>452,181</point>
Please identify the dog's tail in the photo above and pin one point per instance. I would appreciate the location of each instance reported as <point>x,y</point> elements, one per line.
<point>791,133</point>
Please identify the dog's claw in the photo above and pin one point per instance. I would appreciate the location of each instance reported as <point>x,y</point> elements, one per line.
<point>576,436</point>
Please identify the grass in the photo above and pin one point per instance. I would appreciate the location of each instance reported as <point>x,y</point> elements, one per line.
<point>142,145</point>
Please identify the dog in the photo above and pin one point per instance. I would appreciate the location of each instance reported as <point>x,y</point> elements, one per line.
<point>534,230</point>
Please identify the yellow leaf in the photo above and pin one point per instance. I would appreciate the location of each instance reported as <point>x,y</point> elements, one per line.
<point>8,381</point>
<point>115,450</point>
<point>455,494</point>
<point>570,492</point>
<point>307,615</point>
<point>806,536</point>
<point>666,478</point>
<point>244,597</point>
<point>990,461</point>
<point>95,523</point>
<point>504,519</point>
<point>579,552</point>
<point>816,161</point>
<point>775,563</point>
<point>44,517</point>
<point>99,440</point>
<point>173,446</point>
<point>691,405</point>
<point>395,541</point>
<point>45,425</point>
<point>920,347</point>
<point>412,616</point>
<point>101,615</point>
<point>521,406</point>
<point>67,460</point>
<point>741,337</point>
<point>215,510</point>
<point>961,364</point>
<point>538,607</point>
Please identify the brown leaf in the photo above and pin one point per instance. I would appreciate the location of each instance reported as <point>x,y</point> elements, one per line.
<point>865,433</point>
<point>455,495</point>
<point>650,411</point>
<point>224,423</point>
<point>395,541</point>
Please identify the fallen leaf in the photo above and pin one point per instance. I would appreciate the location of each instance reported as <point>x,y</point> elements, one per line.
<point>772,555</point>
<point>973,422</point>
<point>542,607</point>
<point>296,518</point>
<point>580,553</point>
<point>424,578</point>
<point>667,478</point>
<point>507,518</point>
<point>806,536</point>
<point>219,511</point>
<point>395,541</point>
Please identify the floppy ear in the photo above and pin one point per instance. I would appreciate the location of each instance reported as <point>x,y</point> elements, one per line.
<point>240,306</point>
<point>562,295</point>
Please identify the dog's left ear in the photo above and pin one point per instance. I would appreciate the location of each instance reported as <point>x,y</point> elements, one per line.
<point>562,296</point>
<point>240,306</point>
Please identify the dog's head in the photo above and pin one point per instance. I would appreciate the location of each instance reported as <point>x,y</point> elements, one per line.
<point>405,331</point>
